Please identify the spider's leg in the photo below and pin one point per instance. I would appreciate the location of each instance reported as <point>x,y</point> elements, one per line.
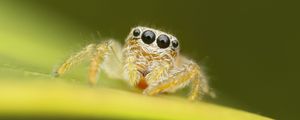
<point>97,58</point>
<point>104,54</point>
<point>199,86</point>
<point>188,73</point>
<point>74,59</point>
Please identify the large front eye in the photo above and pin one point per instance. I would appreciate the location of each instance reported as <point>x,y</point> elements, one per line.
<point>148,37</point>
<point>163,41</point>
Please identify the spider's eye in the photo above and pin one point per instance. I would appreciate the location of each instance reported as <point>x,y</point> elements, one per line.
<point>136,32</point>
<point>163,41</point>
<point>175,43</point>
<point>148,37</point>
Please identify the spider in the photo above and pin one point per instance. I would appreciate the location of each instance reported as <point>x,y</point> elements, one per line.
<point>149,60</point>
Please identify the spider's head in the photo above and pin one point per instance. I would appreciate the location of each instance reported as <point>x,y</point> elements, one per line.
<point>153,41</point>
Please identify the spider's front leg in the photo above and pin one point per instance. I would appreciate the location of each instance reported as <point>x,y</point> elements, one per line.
<point>97,54</point>
<point>178,77</point>
<point>102,50</point>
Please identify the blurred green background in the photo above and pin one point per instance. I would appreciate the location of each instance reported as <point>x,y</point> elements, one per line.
<point>250,49</point>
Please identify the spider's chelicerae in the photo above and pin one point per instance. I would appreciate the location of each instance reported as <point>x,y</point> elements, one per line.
<point>149,60</point>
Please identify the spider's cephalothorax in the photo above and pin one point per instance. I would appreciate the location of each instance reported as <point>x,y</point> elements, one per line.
<point>149,48</point>
<point>149,60</point>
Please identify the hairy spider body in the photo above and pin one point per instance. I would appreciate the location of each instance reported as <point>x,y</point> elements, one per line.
<point>149,60</point>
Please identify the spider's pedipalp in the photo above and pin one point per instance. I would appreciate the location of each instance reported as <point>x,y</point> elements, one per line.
<point>131,72</point>
<point>159,70</point>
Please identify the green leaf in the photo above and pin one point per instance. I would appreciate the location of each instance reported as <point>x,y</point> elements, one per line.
<point>45,98</point>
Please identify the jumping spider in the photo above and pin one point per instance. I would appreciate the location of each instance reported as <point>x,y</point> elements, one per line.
<point>149,60</point>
